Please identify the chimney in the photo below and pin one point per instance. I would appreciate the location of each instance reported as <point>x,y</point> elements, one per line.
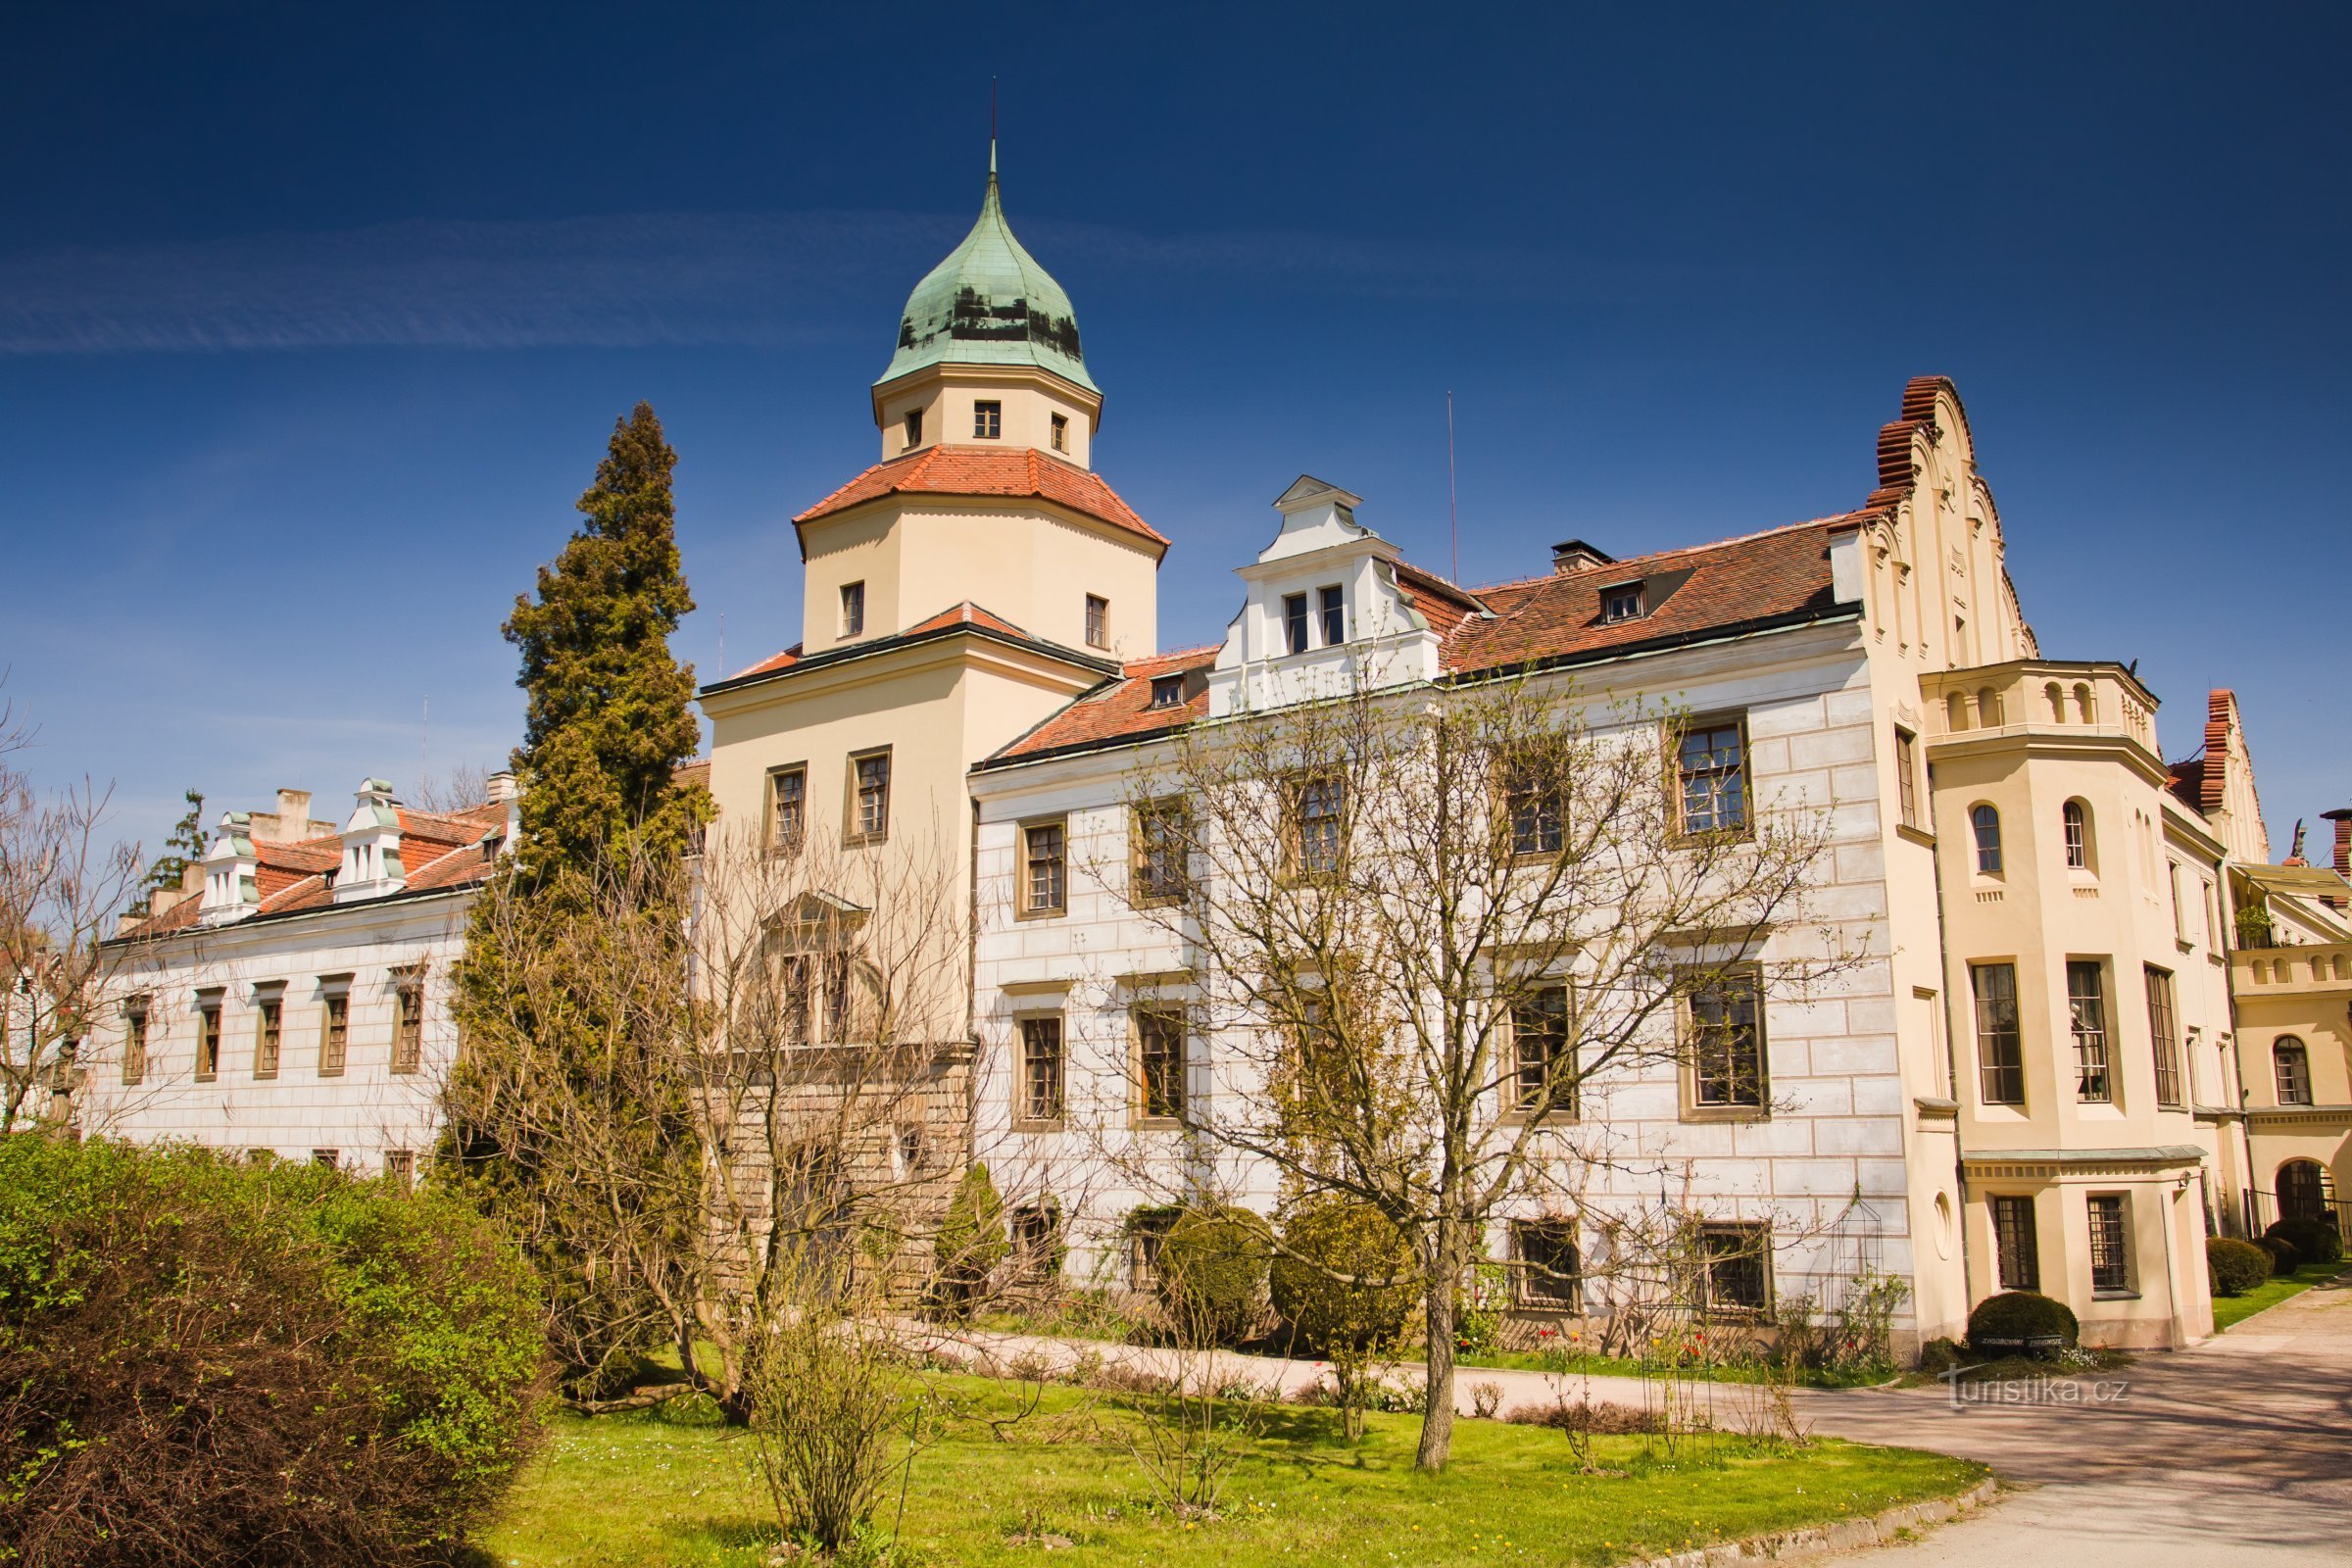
<point>2341,817</point>
<point>1574,555</point>
<point>501,785</point>
<point>294,812</point>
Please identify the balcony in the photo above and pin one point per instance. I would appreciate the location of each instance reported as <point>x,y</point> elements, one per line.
<point>2041,698</point>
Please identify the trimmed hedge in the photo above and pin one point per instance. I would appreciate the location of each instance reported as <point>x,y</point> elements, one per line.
<point>2317,1240</point>
<point>206,1360</point>
<point>2284,1259</point>
<point>2017,1316</point>
<point>2236,1267</point>
<point>1212,1271</point>
<point>1338,1317</point>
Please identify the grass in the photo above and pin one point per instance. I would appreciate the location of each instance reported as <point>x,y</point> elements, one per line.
<point>668,1488</point>
<point>2231,1311</point>
<point>1726,1371</point>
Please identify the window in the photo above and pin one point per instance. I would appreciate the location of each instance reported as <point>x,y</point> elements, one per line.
<point>816,998</point>
<point>1294,622</point>
<point>2302,1190</point>
<point>208,1036</point>
<point>869,787</point>
<point>1167,691</point>
<point>2001,1044</point>
<point>2292,1066</point>
<point>1532,805</point>
<point>787,808</point>
<point>987,420</point>
<point>1041,1070</point>
<point>135,1041</point>
<point>2109,1245</point>
<point>1058,428</point>
<point>2086,1001</point>
<point>1736,1268</point>
<point>853,608</point>
<point>915,428</point>
<point>1334,606</point>
<point>1316,827</point>
<point>1727,1045</point>
<point>328,1158</point>
<point>1147,1229</point>
<point>1162,841</point>
<point>1986,823</point>
<point>907,1149</point>
<point>1539,1043</point>
<point>2164,1036</point>
<point>2017,1250</point>
<point>1097,621</point>
<point>1906,776</point>
<point>1159,1063</point>
<point>2179,912</point>
<point>334,1038</point>
<point>269,1033</point>
<point>2205,901</point>
<point>2075,818</point>
<point>1045,868</point>
<point>1712,761</point>
<point>1622,603</point>
<point>400,1167</point>
<point>1037,1239</point>
<point>407,1020</point>
<point>1545,1253</point>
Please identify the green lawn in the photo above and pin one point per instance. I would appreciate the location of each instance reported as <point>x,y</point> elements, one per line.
<point>2230,1311</point>
<point>1727,1371</point>
<point>648,1488</point>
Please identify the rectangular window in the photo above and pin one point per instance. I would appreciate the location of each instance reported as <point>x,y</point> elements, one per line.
<point>1037,1240</point>
<point>1041,1070</point>
<point>2211,928</point>
<point>407,1020</point>
<point>853,608</point>
<point>1545,1253</point>
<point>1334,607</point>
<point>2290,1066</point>
<point>1906,776</point>
<point>1316,826</point>
<point>270,1015</point>
<point>135,1041</point>
<point>1294,622</point>
<point>2163,1035</point>
<point>1727,1045</point>
<point>2111,1245</point>
<point>208,1038</point>
<point>1167,691</point>
<point>1532,801</point>
<point>1736,1272</point>
<point>328,1158</point>
<point>1097,621</point>
<point>915,428</point>
<point>2016,1248</point>
<point>400,1167</point>
<point>787,808</point>
<point>1159,1062</point>
<point>987,420</point>
<point>1622,603</point>
<point>1712,765</point>
<point>2179,909</point>
<point>869,787</point>
<point>2000,1041</point>
<point>334,1037</point>
<point>1546,1082</point>
<point>1147,1229</point>
<point>2086,1002</point>
<point>1059,428</point>
<point>816,998</point>
<point>1045,868</point>
<point>1162,846</point>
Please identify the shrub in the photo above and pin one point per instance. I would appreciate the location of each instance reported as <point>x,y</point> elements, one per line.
<point>1353,1321</point>
<point>972,1240</point>
<point>2236,1267</point>
<point>2318,1240</point>
<point>1212,1271</point>
<point>2284,1259</point>
<point>1939,1355</point>
<point>2020,1316</point>
<point>209,1361</point>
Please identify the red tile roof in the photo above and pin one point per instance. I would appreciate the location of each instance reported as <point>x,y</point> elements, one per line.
<point>1120,709</point>
<point>960,470</point>
<point>771,663</point>
<point>968,613</point>
<point>955,616</point>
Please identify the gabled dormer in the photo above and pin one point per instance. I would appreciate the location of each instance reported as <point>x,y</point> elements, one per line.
<point>231,889</point>
<point>1331,605</point>
<point>371,866</point>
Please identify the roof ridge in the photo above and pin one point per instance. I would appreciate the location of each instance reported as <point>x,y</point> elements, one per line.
<point>1676,550</point>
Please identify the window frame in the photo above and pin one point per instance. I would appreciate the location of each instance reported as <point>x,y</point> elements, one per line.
<point>1097,621</point>
<point>209,1005</point>
<point>334,1027</point>
<point>1172,686</point>
<point>1741,770</point>
<point>852,610</point>
<point>1331,613</point>
<point>1058,432</point>
<point>1031,1111</point>
<point>988,418</point>
<point>1540,1284</point>
<point>1751,1244</point>
<point>1027,906</point>
<point>854,821</point>
<point>2094,1045</point>
<point>1984,840</point>
<point>1907,779</point>
<point>1143,1018</point>
<point>1743,981</point>
<point>2109,1219</point>
<point>2164,1037</point>
<point>1623,602</point>
<point>2283,1049</point>
<point>1037,1256</point>
<point>778,841</point>
<point>407,1019</point>
<point>2011,1064</point>
<point>1534,815</point>
<point>269,1030</point>
<point>1302,863</point>
<point>400,1166</point>
<point>136,1021</point>
<point>1556,1031</point>
<point>1142,891</point>
<point>2073,830</point>
<point>2015,1242</point>
<point>1296,626</point>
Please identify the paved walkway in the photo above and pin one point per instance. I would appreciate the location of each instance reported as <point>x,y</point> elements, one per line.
<point>2236,1453</point>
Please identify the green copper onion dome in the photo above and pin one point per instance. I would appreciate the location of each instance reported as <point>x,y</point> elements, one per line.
<point>989,303</point>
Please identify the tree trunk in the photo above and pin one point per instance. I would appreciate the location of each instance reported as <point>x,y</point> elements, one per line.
<point>1437,1419</point>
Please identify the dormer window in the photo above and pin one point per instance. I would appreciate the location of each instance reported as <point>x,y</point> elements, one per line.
<point>1334,607</point>
<point>853,608</point>
<point>1294,621</point>
<point>1625,602</point>
<point>1061,432</point>
<point>987,420</point>
<point>1167,691</point>
<point>915,428</point>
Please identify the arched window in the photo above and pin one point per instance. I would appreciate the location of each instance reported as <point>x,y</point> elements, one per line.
<point>2293,1065</point>
<point>1988,708</point>
<point>2076,818</point>
<point>2055,694</point>
<point>1955,712</point>
<point>2302,1190</point>
<point>1987,824</point>
<point>2086,704</point>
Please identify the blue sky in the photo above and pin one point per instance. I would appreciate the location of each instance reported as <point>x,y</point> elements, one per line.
<point>312,323</point>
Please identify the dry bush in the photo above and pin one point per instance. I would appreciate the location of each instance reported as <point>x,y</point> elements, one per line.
<point>1587,1419</point>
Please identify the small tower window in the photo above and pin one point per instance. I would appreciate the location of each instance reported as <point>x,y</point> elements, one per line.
<point>1622,603</point>
<point>1097,621</point>
<point>2075,817</point>
<point>1294,621</point>
<point>1061,432</point>
<point>1167,691</point>
<point>915,428</point>
<point>1334,607</point>
<point>987,420</point>
<point>1986,824</point>
<point>853,608</point>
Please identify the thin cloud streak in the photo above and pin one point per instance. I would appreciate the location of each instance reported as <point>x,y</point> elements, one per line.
<point>636,280</point>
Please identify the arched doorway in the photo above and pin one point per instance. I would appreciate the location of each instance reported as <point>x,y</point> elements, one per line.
<point>2302,1190</point>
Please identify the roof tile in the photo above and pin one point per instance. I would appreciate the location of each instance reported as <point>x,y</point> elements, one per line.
<point>962,470</point>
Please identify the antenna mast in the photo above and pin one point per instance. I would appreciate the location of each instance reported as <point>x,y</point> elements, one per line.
<point>1453,520</point>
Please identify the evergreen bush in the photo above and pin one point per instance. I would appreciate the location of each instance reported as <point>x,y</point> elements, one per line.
<point>2020,1322</point>
<point>2286,1259</point>
<point>1212,1271</point>
<point>2318,1240</point>
<point>972,1240</point>
<point>2236,1267</point>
